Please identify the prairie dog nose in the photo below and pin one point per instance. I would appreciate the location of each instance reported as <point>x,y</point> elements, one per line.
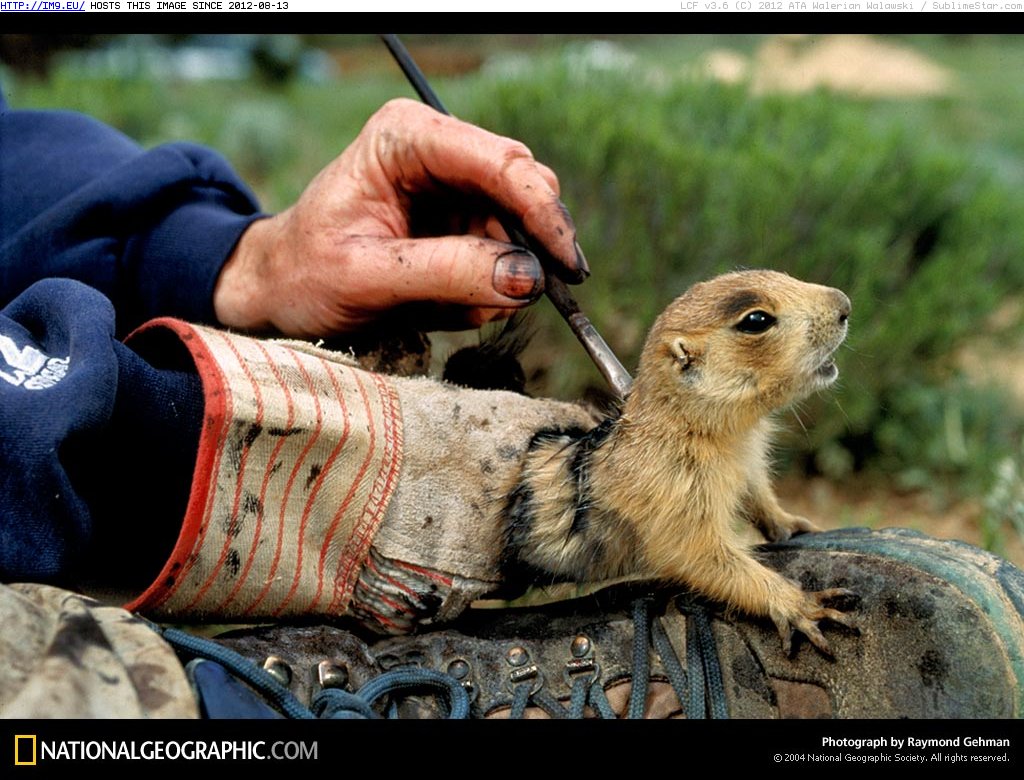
<point>842,303</point>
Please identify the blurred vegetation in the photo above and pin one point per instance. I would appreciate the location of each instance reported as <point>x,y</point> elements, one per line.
<point>911,206</point>
<point>674,181</point>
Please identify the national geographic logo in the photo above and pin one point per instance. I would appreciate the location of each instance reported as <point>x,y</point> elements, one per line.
<point>24,749</point>
<point>29,750</point>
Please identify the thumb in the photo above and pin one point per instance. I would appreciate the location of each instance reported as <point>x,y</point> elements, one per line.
<point>464,270</point>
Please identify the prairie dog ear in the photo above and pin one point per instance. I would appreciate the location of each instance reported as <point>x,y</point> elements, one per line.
<point>677,347</point>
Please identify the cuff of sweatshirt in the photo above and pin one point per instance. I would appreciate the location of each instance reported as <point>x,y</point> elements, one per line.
<point>180,259</point>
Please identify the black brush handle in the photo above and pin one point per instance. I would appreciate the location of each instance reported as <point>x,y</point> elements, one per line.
<point>556,290</point>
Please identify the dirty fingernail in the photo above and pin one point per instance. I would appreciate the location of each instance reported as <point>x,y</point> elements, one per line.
<point>518,275</point>
<point>581,261</point>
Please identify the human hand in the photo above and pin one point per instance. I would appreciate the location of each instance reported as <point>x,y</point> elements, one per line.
<point>406,215</point>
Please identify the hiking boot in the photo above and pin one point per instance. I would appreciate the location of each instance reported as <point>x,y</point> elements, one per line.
<point>927,610</point>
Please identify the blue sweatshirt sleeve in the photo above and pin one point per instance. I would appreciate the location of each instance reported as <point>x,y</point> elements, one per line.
<point>97,443</point>
<point>149,229</point>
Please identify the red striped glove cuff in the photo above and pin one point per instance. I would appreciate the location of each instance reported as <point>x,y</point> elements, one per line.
<point>298,458</point>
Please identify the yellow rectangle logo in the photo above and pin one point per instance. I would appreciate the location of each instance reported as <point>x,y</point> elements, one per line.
<point>21,743</point>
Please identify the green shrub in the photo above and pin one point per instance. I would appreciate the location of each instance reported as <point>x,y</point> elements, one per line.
<point>674,182</point>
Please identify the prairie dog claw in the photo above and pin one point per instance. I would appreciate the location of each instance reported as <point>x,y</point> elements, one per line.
<point>804,618</point>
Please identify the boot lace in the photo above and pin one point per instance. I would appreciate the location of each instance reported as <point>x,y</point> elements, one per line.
<point>698,686</point>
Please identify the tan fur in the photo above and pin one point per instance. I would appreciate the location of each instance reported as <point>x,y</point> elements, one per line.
<point>689,455</point>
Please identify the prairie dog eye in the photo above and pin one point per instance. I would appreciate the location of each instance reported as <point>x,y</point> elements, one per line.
<point>755,322</point>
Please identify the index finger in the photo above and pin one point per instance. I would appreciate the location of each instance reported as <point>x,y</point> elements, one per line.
<point>436,148</point>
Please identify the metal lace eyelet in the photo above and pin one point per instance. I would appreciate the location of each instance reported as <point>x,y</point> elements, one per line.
<point>579,666</point>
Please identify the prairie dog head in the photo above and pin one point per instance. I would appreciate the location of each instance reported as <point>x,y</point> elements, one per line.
<point>744,344</point>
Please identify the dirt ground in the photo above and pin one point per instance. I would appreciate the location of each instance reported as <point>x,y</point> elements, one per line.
<point>858,503</point>
<point>855,64</point>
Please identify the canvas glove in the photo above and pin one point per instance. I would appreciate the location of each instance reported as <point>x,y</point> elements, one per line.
<point>322,489</point>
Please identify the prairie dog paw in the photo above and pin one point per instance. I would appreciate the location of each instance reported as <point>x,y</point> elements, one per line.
<point>784,525</point>
<point>803,613</point>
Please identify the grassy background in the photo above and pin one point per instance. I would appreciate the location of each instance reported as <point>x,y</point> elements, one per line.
<point>911,205</point>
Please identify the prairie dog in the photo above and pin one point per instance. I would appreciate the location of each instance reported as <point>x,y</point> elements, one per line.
<point>657,490</point>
